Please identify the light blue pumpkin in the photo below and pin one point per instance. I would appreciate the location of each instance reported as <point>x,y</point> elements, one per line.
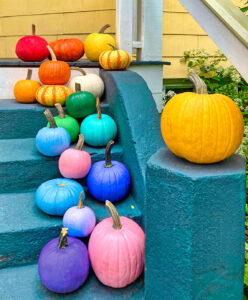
<point>55,196</point>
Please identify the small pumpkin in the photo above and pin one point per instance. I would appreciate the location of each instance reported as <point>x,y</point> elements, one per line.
<point>116,250</point>
<point>75,163</point>
<point>98,129</point>
<point>54,197</point>
<point>54,71</point>
<point>89,82</point>
<point>63,264</point>
<point>49,95</point>
<point>80,220</point>
<point>96,43</point>
<point>202,128</point>
<point>25,90</point>
<point>80,104</point>
<point>114,59</point>
<point>68,49</point>
<point>32,47</point>
<point>108,179</point>
<point>54,140</point>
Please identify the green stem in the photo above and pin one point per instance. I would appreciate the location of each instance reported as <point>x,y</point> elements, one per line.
<point>114,214</point>
<point>60,110</point>
<point>63,243</point>
<point>114,48</point>
<point>50,118</point>
<point>98,107</point>
<point>80,142</point>
<point>80,202</point>
<point>77,87</point>
<point>108,163</point>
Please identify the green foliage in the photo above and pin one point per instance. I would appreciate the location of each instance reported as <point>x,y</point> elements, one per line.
<point>245,8</point>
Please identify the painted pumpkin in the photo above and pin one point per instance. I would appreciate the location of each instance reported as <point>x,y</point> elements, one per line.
<point>49,95</point>
<point>32,47</point>
<point>202,128</point>
<point>68,49</point>
<point>114,59</point>
<point>54,140</point>
<point>116,249</point>
<point>88,82</point>
<point>108,179</point>
<point>54,197</point>
<point>67,122</point>
<point>54,71</point>
<point>98,129</point>
<point>96,43</point>
<point>80,220</point>
<point>80,104</point>
<point>25,90</point>
<point>75,163</point>
<point>63,264</point>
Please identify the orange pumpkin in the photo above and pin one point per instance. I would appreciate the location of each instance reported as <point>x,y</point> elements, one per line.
<point>49,95</point>
<point>25,90</point>
<point>54,71</point>
<point>114,59</point>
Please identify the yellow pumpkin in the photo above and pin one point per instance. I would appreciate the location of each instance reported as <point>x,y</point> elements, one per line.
<point>114,59</point>
<point>96,43</point>
<point>49,95</point>
<point>202,128</point>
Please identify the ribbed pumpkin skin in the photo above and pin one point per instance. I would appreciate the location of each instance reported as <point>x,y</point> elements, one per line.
<point>32,48</point>
<point>49,95</point>
<point>68,49</point>
<point>25,90</point>
<point>202,129</point>
<point>54,72</point>
<point>115,60</point>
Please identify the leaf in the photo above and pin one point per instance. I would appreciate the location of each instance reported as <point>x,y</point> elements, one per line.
<point>246,275</point>
<point>190,64</point>
<point>244,9</point>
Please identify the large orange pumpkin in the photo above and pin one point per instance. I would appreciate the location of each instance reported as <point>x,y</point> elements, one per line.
<point>25,90</point>
<point>202,128</point>
<point>49,95</point>
<point>54,71</point>
<point>68,49</point>
<point>114,59</point>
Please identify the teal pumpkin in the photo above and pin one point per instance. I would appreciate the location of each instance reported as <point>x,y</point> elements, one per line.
<point>98,129</point>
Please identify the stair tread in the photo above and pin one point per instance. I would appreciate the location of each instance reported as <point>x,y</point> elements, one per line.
<point>25,281</point>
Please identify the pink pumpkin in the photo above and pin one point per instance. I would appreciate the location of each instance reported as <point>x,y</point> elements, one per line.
<point>75,163</point>
<point>116,249</point>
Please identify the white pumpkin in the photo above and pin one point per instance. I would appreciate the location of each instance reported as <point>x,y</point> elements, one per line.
<point>89,82</point>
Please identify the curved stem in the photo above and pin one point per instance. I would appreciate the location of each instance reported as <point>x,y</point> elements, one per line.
<point>108,163</point>
<point>98,107</point>
<point>80,201</point>
<point>200,85</point>
<point>80,142</point>
<point>50,118</point>
<point>79,70</point>
<point>114,48</point>
<point>63,243</point>
<point>114,215</point>
<point>53,56</point>
<point>77,87</point>
<point>104,28</point>
<point>29,74</point>
<point>33,29</point>
<point>60,110</point>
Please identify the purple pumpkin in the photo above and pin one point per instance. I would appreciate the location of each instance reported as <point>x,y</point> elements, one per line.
<point>80,220</point>
<point>63,264</point>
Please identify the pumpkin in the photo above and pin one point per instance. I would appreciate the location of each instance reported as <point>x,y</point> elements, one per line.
<point>67,122</point>
<point>88,82</point>
<point>80,220</point>
<point>68,49</point>
<point>75,163</point>
<point>80,104</point>
<point>25,90</point>
<point>54,71</point>
<point>116,250</point>
<point>56,196</point>
<point>98,129</point>
<point>96,43</point>
<point>49,95</point>
<point>54,140</point>
<point>108,179</point>
<point>114,59</point>
<point>32,47</point>
<point>63,264</point>
<point>202,128</point>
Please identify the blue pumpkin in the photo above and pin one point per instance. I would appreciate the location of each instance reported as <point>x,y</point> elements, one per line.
<point>55,196</point>
<point>98,129</point>
<point>54,140</point>
<point>108,180</point>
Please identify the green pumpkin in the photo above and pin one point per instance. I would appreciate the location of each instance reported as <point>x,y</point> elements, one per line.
<point>80,104</point>
<point>67,122</point>
<point>98,129</point>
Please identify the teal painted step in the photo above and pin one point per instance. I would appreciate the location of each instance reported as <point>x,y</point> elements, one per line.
<point>23,283</point>
<point>23,168</point>
<point>24,229</point>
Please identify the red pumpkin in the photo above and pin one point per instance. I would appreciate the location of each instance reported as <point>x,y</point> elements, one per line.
<point>32,47</point>
<point>68,49</point>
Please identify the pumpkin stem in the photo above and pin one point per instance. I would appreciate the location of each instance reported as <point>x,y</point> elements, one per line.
<point>80,142</point>
<point>60,110</point>
<point>98,107</point>
<point>200,85</point>
<point>114,214</point>
<point>104,28</point>
<point>63,243</point>
<point>33,29</point>
<point>29,74</point>
<point>53,56</point>
<point>80,202</point>
<point>108,163</point>
<point>79,69</point>
<point>77,87</point>
<point>114,48</point>
<point>50,118</point>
